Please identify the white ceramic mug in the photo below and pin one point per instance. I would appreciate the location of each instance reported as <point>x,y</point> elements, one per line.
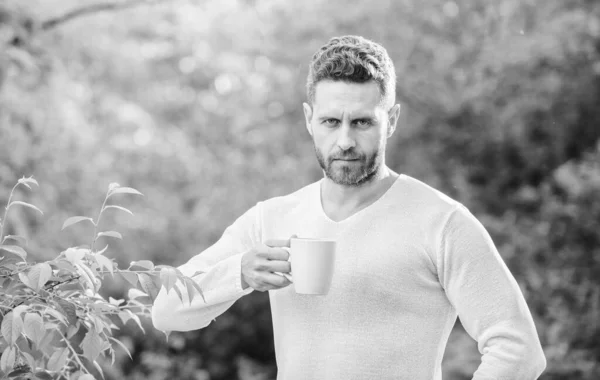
<point>313,262</point>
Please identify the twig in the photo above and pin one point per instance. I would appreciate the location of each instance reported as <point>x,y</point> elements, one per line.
<point>62,282</point>
<point>75,354</point>
<point>90,9</point>
<point>6,211</point>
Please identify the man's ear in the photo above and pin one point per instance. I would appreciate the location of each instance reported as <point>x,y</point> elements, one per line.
<point>308,117</point>
<point>393,116</point>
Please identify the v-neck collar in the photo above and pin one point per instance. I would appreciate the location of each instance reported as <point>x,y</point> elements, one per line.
<point>319,204</point>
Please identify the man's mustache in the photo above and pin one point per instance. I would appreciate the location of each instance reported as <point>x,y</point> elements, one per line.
<point>347,156</point>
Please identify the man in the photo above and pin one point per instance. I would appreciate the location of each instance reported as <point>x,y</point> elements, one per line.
<point>409,259</point>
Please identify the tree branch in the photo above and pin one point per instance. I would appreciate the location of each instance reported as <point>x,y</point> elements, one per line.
<point>90,9</point>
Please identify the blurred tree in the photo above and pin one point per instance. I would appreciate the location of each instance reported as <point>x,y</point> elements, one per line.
<point>198,105</point>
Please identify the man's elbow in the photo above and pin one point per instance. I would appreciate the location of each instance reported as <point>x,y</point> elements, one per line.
<point>539,361</point>
<point>168,317</point>
<point>532,362</point>
<point>160,320</point>
<point>165,313</point>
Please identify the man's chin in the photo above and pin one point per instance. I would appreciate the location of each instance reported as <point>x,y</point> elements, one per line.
<point>346,179</point>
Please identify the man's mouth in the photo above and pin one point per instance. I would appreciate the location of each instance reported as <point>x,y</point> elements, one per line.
<point>348,160</point>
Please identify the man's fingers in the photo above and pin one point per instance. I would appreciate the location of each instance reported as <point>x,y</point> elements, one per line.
<point>274,253</point>
<point>275,281</point>
<point>278,266</point>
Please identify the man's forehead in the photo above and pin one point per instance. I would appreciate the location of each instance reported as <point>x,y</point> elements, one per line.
<point>340,96</point>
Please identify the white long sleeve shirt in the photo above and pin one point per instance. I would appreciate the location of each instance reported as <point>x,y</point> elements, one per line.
<point>406,267</point>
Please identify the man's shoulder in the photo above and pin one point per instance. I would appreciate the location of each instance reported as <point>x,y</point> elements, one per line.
<point>422,193</point>
<point>291,200</point>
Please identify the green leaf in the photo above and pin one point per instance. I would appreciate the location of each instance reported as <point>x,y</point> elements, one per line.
<point>43,375</point>
<point>20,239</point>
<point>123,190</point>
<point>146,264</point>
<point>127,315</point>
<point>27,181</point>
<point>150,284</point>
<point>65,265</point>
<point>168,277</point>
<point>58,315</point>
<point>47,343</point>
<point>193,286</point>
<point>122,346</point>
<point>98,368</point>
<point>76,375</point>
<point>76,219</point>
<point>178,291</point>
<point>135,293</point>
<point>75,255</point>
<point>29,358</point>
<point>191,291</point>
<point>58,360</point>
<point>39,274</point>
<point>26,205</point>
<point>7,361</point>
<point>72,330</point>
<point>68,310</point>
<point>114,234</point>
<point>103,250</point>
<point>24,279</point>
<point>198,272</point>
<point>21,370</point>
<point>99,323</point>
<point>115,302</point>
<point>17,311</point>
<point>118,208</point>
<point>91,345</point>
<point>132,278</point>
<point>33,325</point>
<point>87,376</point>
<point>12,326</point>
<point>105,262</point>
<point>15,249</point>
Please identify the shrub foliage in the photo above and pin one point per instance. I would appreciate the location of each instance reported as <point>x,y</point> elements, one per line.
<point>54,322</point>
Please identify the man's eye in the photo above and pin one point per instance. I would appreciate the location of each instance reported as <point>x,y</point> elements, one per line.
<point>330,122</point>
<point>363,122</point>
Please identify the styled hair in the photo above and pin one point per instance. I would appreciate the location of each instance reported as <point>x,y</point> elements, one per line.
<point>353,59</point>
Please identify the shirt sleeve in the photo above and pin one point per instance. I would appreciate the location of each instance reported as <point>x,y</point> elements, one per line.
<point>220,281</point>
<point>488,300</point>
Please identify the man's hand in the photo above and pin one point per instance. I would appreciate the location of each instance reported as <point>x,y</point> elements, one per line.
<point>259,263</point>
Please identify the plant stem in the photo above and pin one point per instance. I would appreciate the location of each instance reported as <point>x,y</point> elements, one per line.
<point>75,354</point>
<point>130,271</point>
<point>6,212</point>
<point>98,221</point>
<point>13,273</point>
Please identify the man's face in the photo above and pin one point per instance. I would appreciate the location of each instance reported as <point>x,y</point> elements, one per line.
<point>349,129</point>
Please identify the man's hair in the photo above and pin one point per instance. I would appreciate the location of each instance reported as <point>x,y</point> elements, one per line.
<point>353,59</point>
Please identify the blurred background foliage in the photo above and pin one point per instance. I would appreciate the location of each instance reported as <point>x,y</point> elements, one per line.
<point>198,105</point>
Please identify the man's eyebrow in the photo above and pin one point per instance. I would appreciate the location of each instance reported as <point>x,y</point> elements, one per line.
<point>365,117</point>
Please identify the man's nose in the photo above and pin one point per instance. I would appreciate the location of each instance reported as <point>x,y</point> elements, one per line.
<point>345,139</point>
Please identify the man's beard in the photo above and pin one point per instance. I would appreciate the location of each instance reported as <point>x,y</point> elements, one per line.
<point>353,173</point>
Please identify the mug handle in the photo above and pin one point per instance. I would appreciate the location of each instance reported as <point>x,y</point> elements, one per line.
<point>286,275</point>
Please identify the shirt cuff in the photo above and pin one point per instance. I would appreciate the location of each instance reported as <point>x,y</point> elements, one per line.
<point>236,262</point>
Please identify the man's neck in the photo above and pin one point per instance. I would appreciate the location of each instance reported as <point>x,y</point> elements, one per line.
<point>346,200</point>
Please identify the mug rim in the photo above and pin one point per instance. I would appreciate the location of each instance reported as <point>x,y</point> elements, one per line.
<point>324,240</point>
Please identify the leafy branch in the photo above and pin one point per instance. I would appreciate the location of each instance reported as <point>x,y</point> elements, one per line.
<point>91,9</point>
<point>46,303</point>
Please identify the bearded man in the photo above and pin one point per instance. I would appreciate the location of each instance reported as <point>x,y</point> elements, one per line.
<point>409,258</point>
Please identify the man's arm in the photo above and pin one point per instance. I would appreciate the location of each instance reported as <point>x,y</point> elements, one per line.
<point>221,281</point>
<point>488,301</point>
